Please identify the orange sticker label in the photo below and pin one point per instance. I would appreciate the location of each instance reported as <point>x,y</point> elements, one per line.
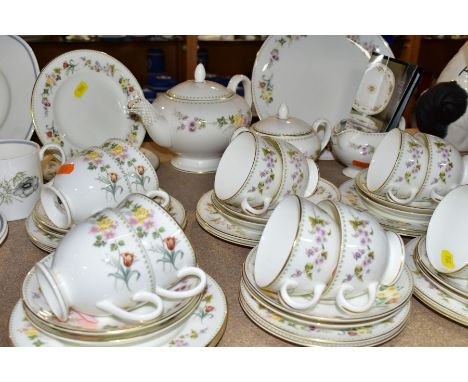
<point>80,89</point>
<point>447,259</point>
<point>67,168</point>
<point>360,164</point>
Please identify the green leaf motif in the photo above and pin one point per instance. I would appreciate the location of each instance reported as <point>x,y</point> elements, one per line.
<point>358,272</point>
<point>308,268</point>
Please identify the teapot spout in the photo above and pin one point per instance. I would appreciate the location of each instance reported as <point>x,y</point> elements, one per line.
<point>155,124</point>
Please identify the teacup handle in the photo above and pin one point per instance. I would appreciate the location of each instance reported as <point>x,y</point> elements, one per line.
<point>238,131</point>
<point>187,271</point>
<point>141,296</point>
<point>166,199</point>
<point>246,207</point>
<point>324,125</point>
<point>53,147</point>
<point>402,201</point>
<point>346,305</point>
<point>436,197</point>
<point>314,177</point>
<point>291,284</point>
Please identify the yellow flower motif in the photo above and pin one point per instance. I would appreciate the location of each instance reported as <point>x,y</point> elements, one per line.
<point>238,120</point>
<point>118,150</point>
<point>276,317</point>
<point>92,155</point>
<point>132,137</point>
<point>50,81</point>
<point>141,214</point>
<point>105,224</point>
<point>31,332</point>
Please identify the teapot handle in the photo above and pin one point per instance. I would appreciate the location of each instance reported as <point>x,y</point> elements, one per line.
<point>232,85</point>
<point>323,124</point>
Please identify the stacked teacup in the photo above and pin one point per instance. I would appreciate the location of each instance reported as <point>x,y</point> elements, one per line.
<point>95,178</point>
<point>254,174</point>
<point>440,259</point>
<point>407,177</point>
<point>131,265</point>
<point>332,266</point>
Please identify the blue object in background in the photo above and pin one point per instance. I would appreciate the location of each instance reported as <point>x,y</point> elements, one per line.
<point>202,57</point>
<point>389,39</point>
<point>156,63</point>
<point>149,94</point>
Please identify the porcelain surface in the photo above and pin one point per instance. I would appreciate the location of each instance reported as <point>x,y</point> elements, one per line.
<point>41,238</point>
<point>297,69</point>
<point>18,72</point>
<point>373,44</point>
<point>430,293</point>
<point>3,228</point>
<point>204,328</point>
<point>65,96</point>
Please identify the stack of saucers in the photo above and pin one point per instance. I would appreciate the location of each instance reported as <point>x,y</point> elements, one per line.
<point>3,228</point>
<point>93,179</point>
<point>138,284</point>
<point>326,274</point>
<point>253,176</point>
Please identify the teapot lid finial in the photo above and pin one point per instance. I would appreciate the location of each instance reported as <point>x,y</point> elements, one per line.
<point>200,73</point>
<point>283,111</point>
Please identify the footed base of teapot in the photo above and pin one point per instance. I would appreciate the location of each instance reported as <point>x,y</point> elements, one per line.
<point>195,165</point>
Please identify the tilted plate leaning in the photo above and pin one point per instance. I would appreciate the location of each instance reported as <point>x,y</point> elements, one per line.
<point>80,100</point>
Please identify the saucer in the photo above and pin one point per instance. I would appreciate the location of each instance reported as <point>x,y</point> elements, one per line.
<point>430,294</point>
<point>204,327</point>
<point>3,228</point>
<point>350,197</point>
<point>40,238</point>
<point>456,288</point>
<point>389,300</point>
<point>212,221</point>
<point>309,335</point>
<point>152,157</point>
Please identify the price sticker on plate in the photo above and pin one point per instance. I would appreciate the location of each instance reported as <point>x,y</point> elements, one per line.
<point>80,89</point>
<point>446,258</point>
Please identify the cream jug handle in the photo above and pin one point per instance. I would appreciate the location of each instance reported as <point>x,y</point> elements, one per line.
<point>232,85</point>
<point>53,147</point>
<point>324,125</point>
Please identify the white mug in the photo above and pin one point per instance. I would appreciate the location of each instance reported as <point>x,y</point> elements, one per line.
<point>21,176</point>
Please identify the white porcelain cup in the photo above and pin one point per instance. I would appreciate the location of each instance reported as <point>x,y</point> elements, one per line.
<point>100,268</point>
<point>298,251</point>
<point>300,174</point>
<point>136,167</point>
<point>21,176</point>
<point>447,168</point>
<point>446,234</point>
<point>249,173</point>
<point>369,257</point>
<point>172,256</point>
<point>398,167</point>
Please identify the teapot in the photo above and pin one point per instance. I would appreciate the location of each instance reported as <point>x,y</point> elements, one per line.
<point>309,139</point>
<point>196,119</point>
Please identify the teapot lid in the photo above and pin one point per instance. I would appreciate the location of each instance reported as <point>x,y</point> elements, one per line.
<point>199,89</point>
<point>282,124</point>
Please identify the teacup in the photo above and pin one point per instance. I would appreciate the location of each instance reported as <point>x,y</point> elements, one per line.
<point>172,256</point>
<point>300,174</point>
<point>21,176</point>
<point>249,173</point>
<point>100,268</point>
<point>446,233</point>
<point>447,168</point>
<point>298,251</point>
<point>369,256</point>
<point>398,167</point>
<point>137,168</point>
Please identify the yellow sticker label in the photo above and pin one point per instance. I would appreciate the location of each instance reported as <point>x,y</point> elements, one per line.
<point>80,89</point>
<point>447,259</point>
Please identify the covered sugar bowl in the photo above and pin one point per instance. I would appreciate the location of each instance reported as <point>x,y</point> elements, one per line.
<point>196,119</point>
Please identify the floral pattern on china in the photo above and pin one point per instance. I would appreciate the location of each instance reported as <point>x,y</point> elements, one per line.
<point>269,158</point>
<point>413,166</point>
<point>193,124</point>
<point>17,188</point>
<point>445,165</point>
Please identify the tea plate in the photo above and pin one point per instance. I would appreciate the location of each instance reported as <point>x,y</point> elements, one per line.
<point>389,299</point>
<point>430,293</point>
<point>18,72</point>
<point>350,197</point>
<point>80,100</point>
<point>306,71</point>
<point>3,228</point>
<point>376,89</point>
<point>39,237</point>
<point>373,44</point>
<point>311,335</point>
<point>204,327</point>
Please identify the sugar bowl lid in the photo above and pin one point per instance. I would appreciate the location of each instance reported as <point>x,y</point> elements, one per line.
<point>282,124</point>
<point>199,89</point>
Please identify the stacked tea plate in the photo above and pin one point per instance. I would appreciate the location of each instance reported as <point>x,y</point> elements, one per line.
<point>93,179</point>
<point>253,176</point>
<point>326,275</point>
<point>138,285</point>
<point>439,260</point>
